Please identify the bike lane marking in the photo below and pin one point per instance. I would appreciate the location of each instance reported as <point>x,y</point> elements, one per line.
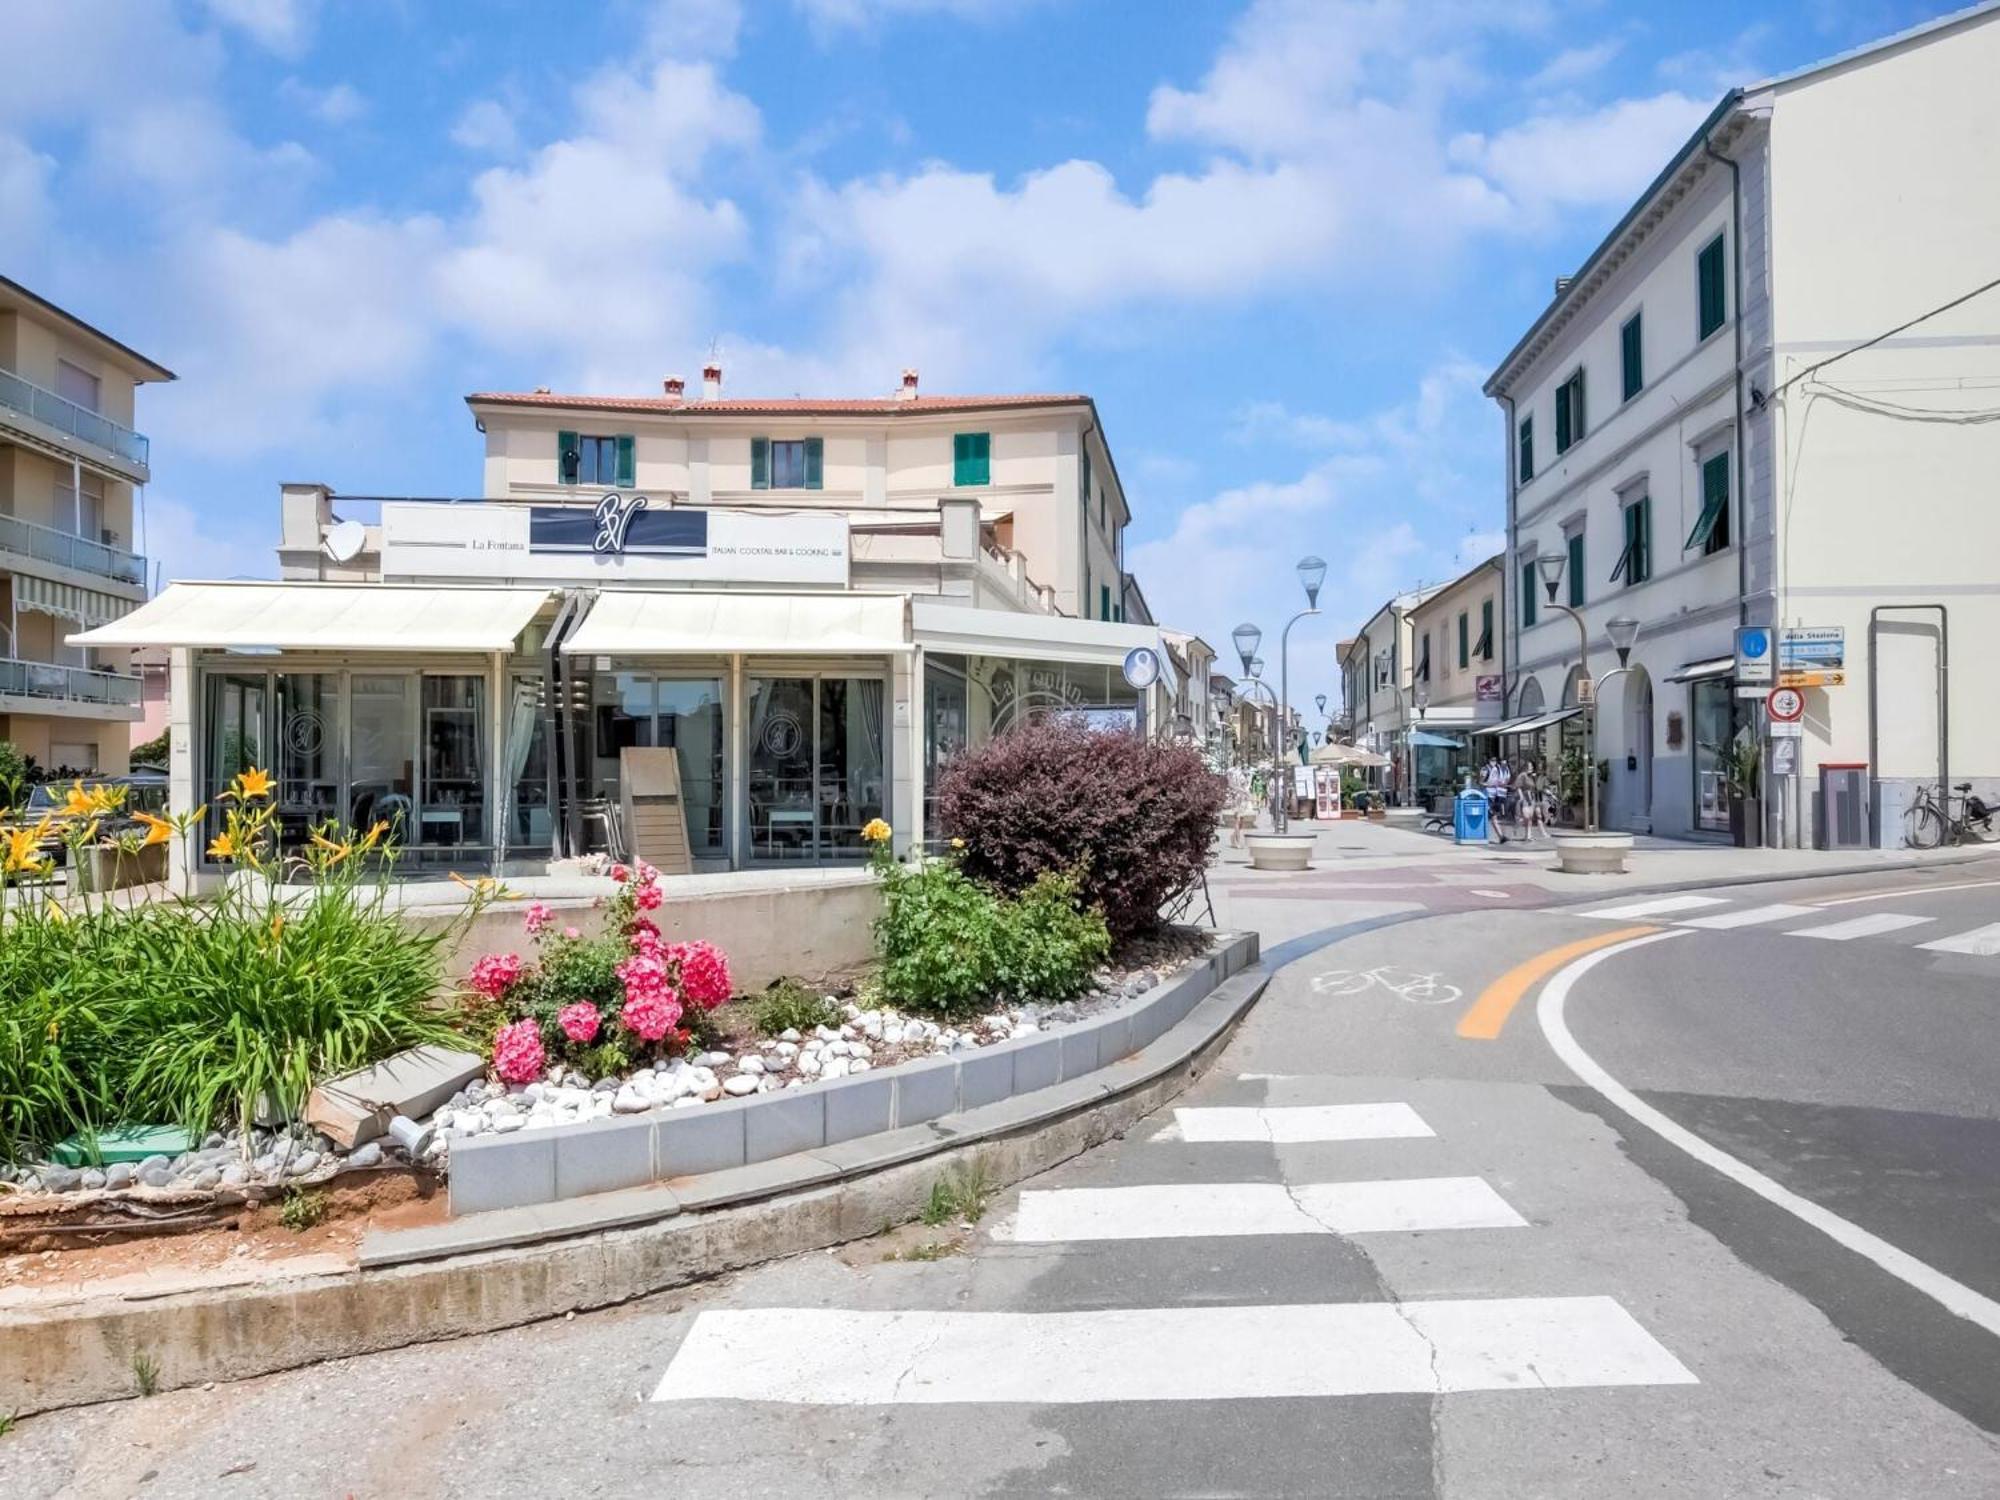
<point>1489,1013</point>
<point>1954,1296</point>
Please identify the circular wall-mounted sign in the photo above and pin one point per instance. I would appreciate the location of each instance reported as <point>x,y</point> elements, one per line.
<point>1142,666</point>
<point>1786,704</point>
<point>782,736</point>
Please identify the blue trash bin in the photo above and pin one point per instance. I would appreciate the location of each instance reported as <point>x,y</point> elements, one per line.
<point>1468,817</point>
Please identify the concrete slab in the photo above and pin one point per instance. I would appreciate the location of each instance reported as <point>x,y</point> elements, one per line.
<point>1114,1039</point>
<point>356,1107</point>
<point>1037,1063</point>
<point>783,1123</point>
<point>708,1139</point>
<point>1079,1051</point>
<point>890,1148</point>
<point>603,1156</point>
<point>506,1171</point>
<point>518,1226</point>
<point>925,1090</point>
<point>984,1076</point>
<point>858,1106</point>
<point>760,1179</point>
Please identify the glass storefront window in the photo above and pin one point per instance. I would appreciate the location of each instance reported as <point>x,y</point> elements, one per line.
<point>526,823</point>
<point>309,748</point>
<point>682,714</point>
<point>818,765</point>
<point>946,734</point>
<point>382,769</point>
<point>1712,710</point>
<point>452,813</point>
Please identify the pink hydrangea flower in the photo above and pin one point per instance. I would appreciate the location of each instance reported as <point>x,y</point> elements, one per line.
<point>494,974</point>
<point>652,1014</point>
<point>538,917</point>
<point>579,1021</point>
<point>648,897</point>
<point>704,973</point>
<point>620,874</point>
<point>517,1052</point>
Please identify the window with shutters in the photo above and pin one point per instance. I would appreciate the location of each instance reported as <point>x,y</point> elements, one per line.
<point>1569,412</point>
<point>1528,583</point>
<point>1464,641</point>
<point>1631,356</point>
<point>1635,560</point>
<point>787,463</point>
<point>1424,658</point>
<point>1573,570</point>
<point>1712,287</point>
<point>594,460</point>
<point>1525,450</point>
<point>1485,647</point>
<point>1104,601</point>
<point>972,458</point>
<point>1711,527</point>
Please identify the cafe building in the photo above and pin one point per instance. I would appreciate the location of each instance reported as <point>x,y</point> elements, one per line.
<point>778,620</point>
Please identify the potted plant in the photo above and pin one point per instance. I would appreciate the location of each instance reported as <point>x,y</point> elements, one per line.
<point>1742,768</point>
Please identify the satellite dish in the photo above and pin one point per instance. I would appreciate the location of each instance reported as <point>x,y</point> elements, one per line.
<point>345,539</point>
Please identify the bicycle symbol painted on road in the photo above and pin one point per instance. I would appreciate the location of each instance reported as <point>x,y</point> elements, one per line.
<point>1411,985</point>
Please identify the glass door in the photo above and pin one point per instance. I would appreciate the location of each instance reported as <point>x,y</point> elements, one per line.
<point>850,762</point>
<point>688,720</point>
<point>1710,710</point>
<point>309,753</point>
<point>784,816</point>
<point>381,772</point>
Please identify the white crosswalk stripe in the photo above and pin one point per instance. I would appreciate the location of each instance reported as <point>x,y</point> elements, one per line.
<point>1299,1124</point>
<point>1197,1210</point>
<point>1751,916</point>
<point>1659,907</point>
<point>1983,941</point>
<point>1873,925</point>
<point>825,1357</point>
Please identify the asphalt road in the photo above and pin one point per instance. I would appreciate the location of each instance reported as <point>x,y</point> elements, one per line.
<point>1365,1256</point>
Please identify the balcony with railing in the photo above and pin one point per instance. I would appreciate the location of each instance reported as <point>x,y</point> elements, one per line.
<point>26,399</point>
<point>60,684</point>
<point>46,544</point>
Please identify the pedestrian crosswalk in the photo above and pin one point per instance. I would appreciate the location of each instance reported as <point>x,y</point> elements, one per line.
<point>1719,914</point>
<point>844,1357</point>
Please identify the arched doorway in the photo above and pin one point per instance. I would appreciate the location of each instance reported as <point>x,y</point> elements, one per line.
<point>1531,699</point>
<point>1630,752</point>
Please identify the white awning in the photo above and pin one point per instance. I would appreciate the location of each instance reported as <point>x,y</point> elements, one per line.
<point>1029,637</point>
<point>1535,723</point>
<point>1697,671</point>
<point>325,617</point>
<point>68,601</point>
<point>635,623</point>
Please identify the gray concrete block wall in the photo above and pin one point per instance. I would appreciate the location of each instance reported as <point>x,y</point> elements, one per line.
<point>531,1167</point>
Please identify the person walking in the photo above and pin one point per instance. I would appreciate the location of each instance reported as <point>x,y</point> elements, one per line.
<point>1242,805</point>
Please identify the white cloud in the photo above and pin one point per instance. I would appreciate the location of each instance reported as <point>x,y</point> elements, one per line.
<point>1574,65</point>
<point>337,104</point>
<point>829,16</point>
<point>280,26</point>
<point>186,543</point>
<point>487,125</point>
<point>24,196</point>
<point>1601,157</point>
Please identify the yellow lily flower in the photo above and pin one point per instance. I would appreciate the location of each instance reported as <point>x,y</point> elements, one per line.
<point>252,783</point>
<point>875,831</point>
<point>158,829</point>
<point>338,851</point>
<point>55,912</point>
<point>22,850</point>
<point>222,846</point>
<point>374,836</point>
<point>79,803</point>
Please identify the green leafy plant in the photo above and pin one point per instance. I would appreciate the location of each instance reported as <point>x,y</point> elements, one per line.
<point>791,1006</point>
<point>1049,945</point>
<point>605,1060</point>
<point>146,1373</point>
<point>155,752</point>
<point>302,1209</point>
<point>962,1193</point>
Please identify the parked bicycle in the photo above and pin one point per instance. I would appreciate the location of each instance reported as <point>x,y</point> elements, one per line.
<point>1962,818</point>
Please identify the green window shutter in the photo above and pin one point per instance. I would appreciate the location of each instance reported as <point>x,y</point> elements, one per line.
<point>1527,449</point>
<point>1464,640</point>
<point>1631,356</point>
<point>1711,528</point>
<point>1104,601</point>
<point>1486,630</point>
<point>1562,417</point>
<point>1711,276</point>
<point>625,466</point>
<point>815,463</point>
<point>569,457</point>
<point>1642,540</point>
<point>1527,594</point>
<point>760,463</point>
<point>971,457</point>
<point>1576,571</point>
<point>1083,481</point>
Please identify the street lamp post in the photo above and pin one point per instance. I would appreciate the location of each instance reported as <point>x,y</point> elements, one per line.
<point>1312,573</point>
<point>1248,637</point>
<point>1623,631</point>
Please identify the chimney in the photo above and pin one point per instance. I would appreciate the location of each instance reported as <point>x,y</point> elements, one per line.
<point>711,381</point>
<point>1562,284</point>
<point>908,390</point>
<point>675,388</point>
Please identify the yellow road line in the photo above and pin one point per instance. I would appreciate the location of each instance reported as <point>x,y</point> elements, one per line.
<point>1482,1022</point>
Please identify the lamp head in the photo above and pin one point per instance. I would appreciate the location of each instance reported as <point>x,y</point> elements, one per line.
<point>1624,632</point>
<point>1319,702</point>
<point>1312,573</point>
<point>1550,565</point>
<point>1256,667</point>
<point>1247,637</point>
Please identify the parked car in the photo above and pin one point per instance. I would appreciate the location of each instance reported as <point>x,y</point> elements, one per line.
<point>145,791</point>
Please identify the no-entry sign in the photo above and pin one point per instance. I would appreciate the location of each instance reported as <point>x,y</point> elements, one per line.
<point>1786,705</point>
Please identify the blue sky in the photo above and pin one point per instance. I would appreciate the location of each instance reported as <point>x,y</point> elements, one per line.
<point>1280,243</point>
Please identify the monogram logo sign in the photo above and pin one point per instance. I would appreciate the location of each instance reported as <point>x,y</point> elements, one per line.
<point>614,516</point>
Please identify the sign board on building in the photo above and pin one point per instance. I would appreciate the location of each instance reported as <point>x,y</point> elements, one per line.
<point>625,537</point>
<point>1753,655</point>
<point>1812,655</point>
<point>1786,729</point>
<point>1586,691</point>
<point>1488,689</point>
<point>1784,757</point>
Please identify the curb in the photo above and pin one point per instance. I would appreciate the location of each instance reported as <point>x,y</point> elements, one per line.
<point>545,1260</point>
<point>1723,881</point>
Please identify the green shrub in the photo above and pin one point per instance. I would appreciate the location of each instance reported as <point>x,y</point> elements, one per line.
<point>1048,944</point>
<point>302,1209</point>
<point>605,1060</point>
<point>790,1006</point>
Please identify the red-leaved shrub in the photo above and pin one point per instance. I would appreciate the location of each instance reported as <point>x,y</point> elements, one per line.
<point>1135,818</point>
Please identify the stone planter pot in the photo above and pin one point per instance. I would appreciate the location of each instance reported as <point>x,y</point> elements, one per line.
<point>1280,851</point>
<point>1406,817</point>
<point>113,869</point>
<point>1598,853</point>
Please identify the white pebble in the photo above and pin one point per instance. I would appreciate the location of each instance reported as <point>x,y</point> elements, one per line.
<point>740,1085</point>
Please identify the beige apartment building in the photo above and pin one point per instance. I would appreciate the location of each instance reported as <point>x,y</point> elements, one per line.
<point>1458,685</point>
<point>70,466</point>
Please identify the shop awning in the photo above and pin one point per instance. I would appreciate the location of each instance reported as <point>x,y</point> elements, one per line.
<point>1511,726</point>
<point>628,622</point>
<point>1535,723</point>
<point>325,617</point>
<point>1346,755</point>
<point>1696,671</point>
<point>1430,740</point>
<point>68,601</point>
<point>1028,637</point>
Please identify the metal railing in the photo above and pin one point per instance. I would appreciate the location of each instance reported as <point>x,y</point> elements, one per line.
<point>66,416</point>
<point>43,679</point>
<point>30,539</point>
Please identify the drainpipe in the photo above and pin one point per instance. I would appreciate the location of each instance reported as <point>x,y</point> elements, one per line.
<point>1509,625</point>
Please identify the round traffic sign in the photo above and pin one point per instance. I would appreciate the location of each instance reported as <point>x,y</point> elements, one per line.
<point>1786,704</point>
